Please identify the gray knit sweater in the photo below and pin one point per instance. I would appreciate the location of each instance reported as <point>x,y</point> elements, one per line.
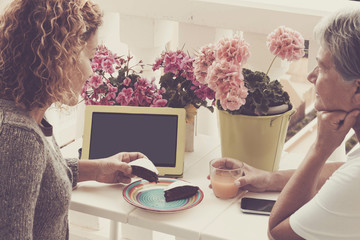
<point>35,181</point>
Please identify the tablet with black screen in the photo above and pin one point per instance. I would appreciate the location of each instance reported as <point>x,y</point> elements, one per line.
<point>158,132</point>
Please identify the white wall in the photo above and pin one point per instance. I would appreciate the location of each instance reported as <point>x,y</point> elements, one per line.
<point>3,3</point>
<point>145,27</point>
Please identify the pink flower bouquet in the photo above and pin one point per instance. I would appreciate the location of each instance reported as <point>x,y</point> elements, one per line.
<point>182,88</point>
<point>116,83</point>
<point>239,90</point>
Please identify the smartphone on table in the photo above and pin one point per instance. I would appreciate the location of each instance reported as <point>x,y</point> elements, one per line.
<point>256,205</point>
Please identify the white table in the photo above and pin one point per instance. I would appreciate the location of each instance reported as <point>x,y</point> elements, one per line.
<point>212,219</point>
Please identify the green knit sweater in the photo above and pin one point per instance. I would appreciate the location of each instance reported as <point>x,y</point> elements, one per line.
<point>35,181</point>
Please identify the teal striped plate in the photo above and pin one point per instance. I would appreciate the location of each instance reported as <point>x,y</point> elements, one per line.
<point>150,196</point>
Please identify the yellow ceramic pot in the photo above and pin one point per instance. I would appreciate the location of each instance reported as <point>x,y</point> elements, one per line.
<point>255,140</point>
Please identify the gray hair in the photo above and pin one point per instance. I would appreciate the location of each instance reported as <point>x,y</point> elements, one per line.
<point>339,33</point>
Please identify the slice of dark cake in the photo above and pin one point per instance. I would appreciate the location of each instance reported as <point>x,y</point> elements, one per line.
<point>179,190</point>
<point>144,168</point>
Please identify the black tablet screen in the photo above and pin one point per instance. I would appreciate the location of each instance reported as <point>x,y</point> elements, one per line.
<point>152,134</point>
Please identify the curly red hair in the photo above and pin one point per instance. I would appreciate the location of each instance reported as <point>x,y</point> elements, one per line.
<point>40,42</point>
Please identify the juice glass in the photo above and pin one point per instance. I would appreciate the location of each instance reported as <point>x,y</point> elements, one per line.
<point>223,173</point>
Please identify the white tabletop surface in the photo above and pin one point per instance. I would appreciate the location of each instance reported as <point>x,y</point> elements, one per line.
<point>212,219</point>
<point>190,223</point>
<point>102,200</point>
<point>232,223</point>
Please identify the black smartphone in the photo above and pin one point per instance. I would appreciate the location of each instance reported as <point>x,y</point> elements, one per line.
<point>256,205</point>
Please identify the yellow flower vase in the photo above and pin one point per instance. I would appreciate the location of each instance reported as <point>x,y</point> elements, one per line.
<point>255,140</point>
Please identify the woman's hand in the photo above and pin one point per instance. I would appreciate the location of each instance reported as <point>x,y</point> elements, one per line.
<point>332,129</point>
<point>115,169</point>
<point>253,179</point>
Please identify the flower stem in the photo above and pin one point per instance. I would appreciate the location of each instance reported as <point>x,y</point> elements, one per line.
<point>271,64</point>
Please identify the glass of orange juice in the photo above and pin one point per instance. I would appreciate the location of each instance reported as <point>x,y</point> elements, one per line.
<point>223,173</point>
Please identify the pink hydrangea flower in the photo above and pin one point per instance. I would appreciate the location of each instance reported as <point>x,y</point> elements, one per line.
<point>286,43</point>
<point>186,86</point>
<point>107,65</point>
<point>159,103</point>
<point>104,60</point>
<point>126,81</point>
<point>234,50</point>
<point>204,92</point>
<point>201,64</point>
<point>95,66</point>
<point>110,95</point>
<point>95,81</point>
<point>158,63</point>
<point>220,67</point>
<point>124,97</point>
<point>107,88</point>
<point>142,89</point>
<point>172,61</point>
<point>226,79</point>
<point>111,88</point>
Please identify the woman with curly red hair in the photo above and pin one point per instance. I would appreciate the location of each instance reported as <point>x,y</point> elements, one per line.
<point>45,52</point>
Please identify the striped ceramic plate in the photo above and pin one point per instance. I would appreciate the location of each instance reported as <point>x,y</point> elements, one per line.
<point>150,196</point>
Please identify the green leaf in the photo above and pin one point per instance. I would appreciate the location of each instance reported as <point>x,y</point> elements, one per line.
<point>262,94</point>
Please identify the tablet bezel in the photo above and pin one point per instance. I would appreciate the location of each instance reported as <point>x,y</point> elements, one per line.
<point>176,171</point>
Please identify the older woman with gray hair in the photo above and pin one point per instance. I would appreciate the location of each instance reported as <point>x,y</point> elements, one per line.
<point>321,200</point>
